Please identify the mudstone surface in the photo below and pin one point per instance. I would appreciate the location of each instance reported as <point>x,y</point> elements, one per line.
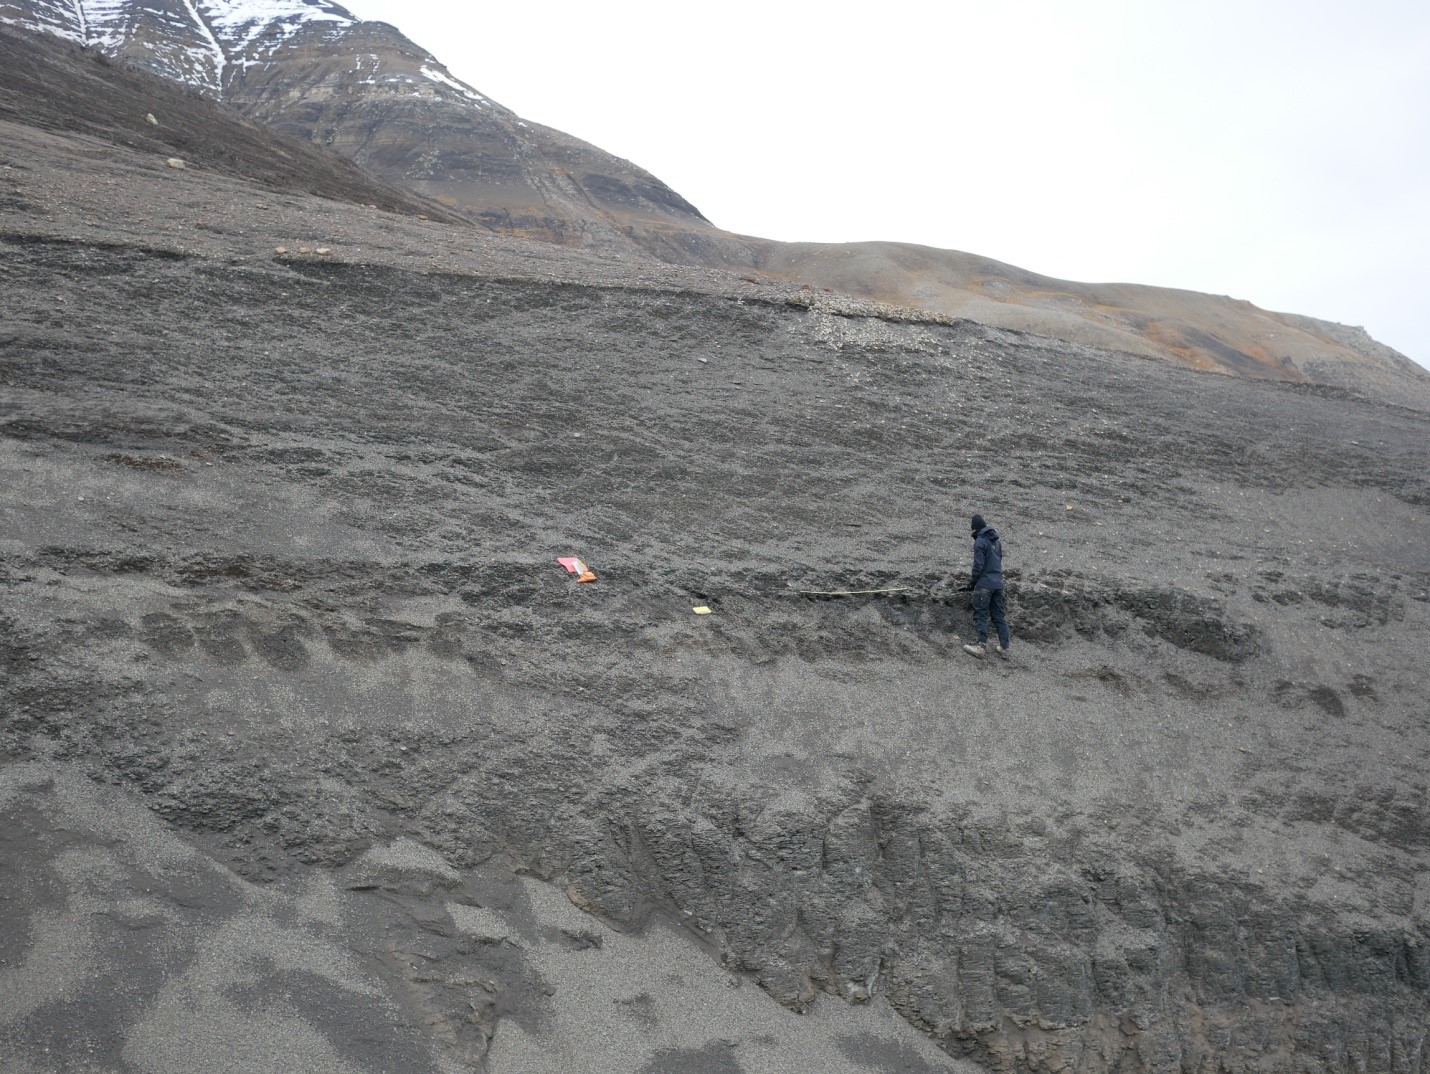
<point>312,757</point>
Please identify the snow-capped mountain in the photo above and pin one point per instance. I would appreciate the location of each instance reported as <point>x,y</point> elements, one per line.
<point>212,45</point>
<point>312,69</point>
<point>207,44</point>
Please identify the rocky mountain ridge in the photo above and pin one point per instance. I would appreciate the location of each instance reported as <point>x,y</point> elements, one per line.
<point>309,68</point>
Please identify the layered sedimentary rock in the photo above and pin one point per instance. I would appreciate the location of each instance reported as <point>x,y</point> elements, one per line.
<point>309,747</point>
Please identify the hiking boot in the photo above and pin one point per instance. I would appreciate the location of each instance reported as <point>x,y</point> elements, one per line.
<point>980,650</point>
<point>1002,651</point>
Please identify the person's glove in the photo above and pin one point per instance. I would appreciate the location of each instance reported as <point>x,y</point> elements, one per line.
<point>967,587</point>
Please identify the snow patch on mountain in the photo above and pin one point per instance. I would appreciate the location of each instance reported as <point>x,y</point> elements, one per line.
<point>215,50</point>
<point>211,35</point>
<point>241,22</point>
<point>106,23</point>
<point>445,79</point>
<point>63,18</point>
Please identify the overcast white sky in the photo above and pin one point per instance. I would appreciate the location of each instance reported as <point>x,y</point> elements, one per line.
<point>1276,151</point>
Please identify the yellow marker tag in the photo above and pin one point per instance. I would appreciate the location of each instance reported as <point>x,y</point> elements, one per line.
<point>702,610</point>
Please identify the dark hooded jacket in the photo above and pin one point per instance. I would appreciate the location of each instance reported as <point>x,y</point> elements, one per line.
<point>987,560</point>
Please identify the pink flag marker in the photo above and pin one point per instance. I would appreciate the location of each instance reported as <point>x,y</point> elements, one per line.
<point>576,566</point>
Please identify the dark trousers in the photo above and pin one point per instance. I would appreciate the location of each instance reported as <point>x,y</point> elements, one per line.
<point>986,601</point>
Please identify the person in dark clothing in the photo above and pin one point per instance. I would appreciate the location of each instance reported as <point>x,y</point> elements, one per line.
<point>986,581</point>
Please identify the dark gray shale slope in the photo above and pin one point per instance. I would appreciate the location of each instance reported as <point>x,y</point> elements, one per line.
<point>277,559</point>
